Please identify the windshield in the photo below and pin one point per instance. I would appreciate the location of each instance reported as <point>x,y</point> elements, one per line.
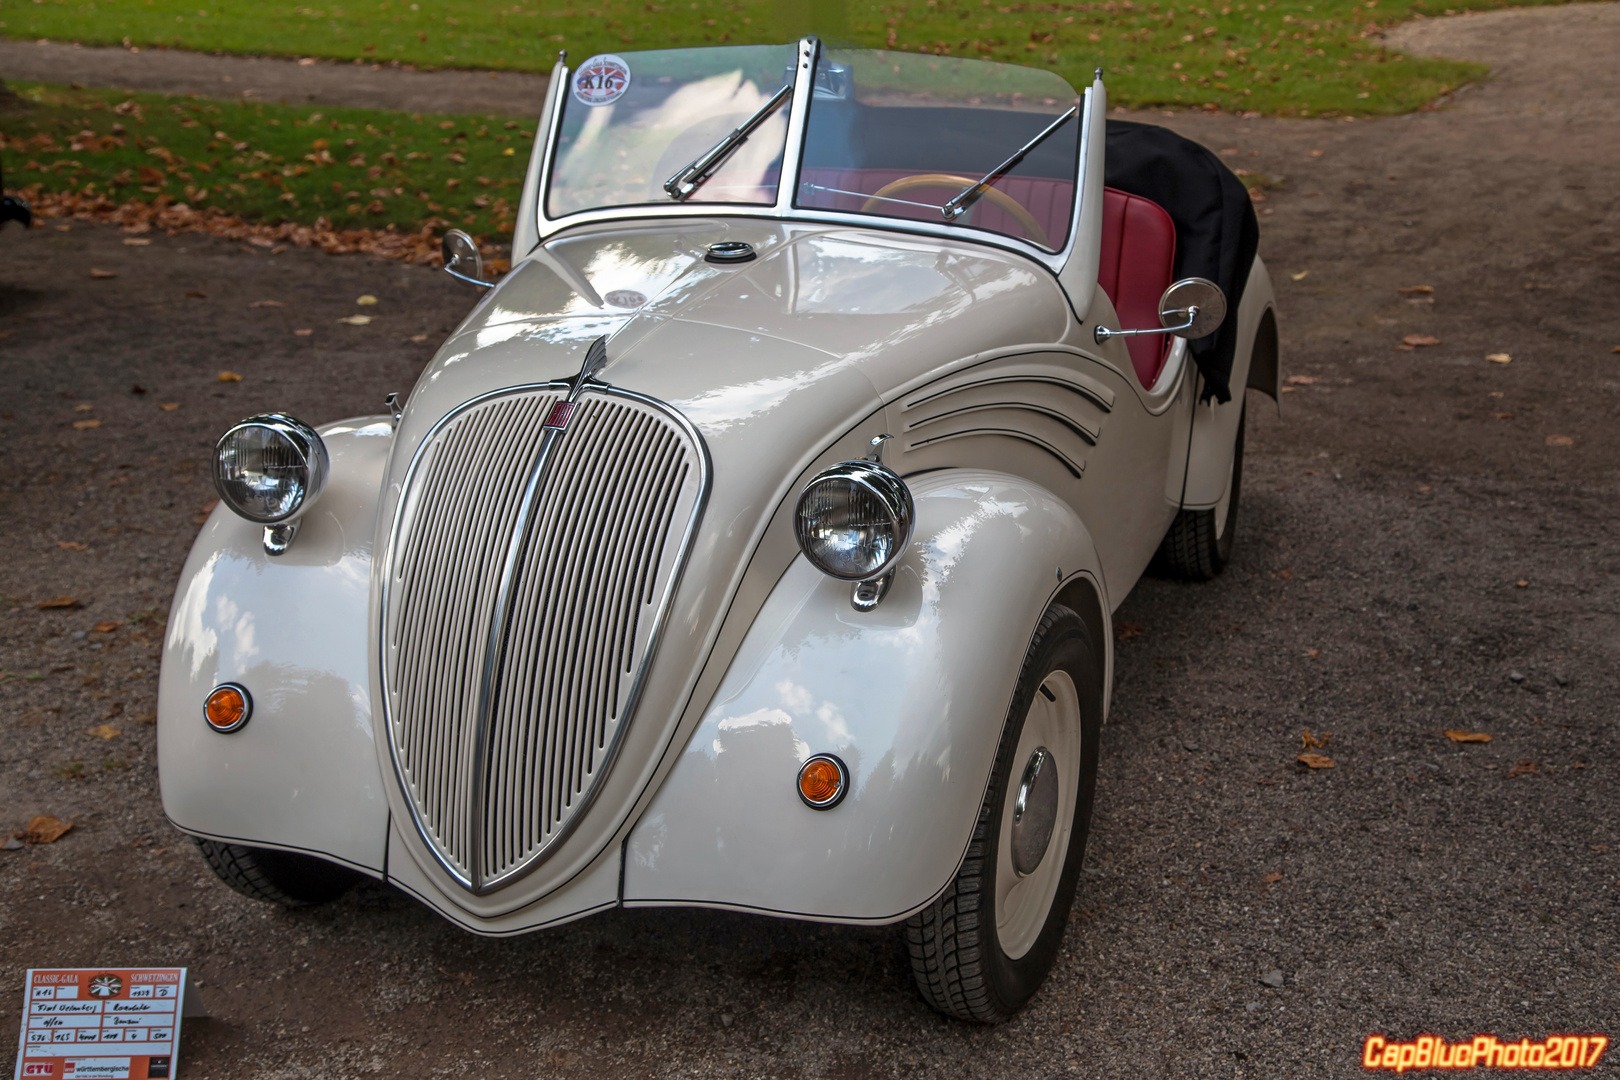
<point>899,135</point>
<point>631,122</point>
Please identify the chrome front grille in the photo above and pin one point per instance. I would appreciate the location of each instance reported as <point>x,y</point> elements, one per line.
<point>528,572</point>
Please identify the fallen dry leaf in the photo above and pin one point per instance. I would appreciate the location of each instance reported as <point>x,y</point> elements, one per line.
<point>85,425</point>
<point>196,294</point>
<point>229,376</point>
<point>1418,341</point>
<point>1315,761</point>
<point>133,241</point>
<point>356,320</point>
<point>1499,358</point>
<point>60,603</point>
<point>1317,153</point>
<point>417,339</point>
<point>1524,768</point>
<point>1301,380</point>
<point>1272,878</point>
<point>1416,290</point>
<point>1552,440</point>
<point>102,275</point>
<point>1522,583</point>
<point>267,303</point>
<point>1616,349</point>
<point>367,300</point>
<point>1425,489</point>
<point>1300,276</point>
<point>1290,389</point>
<point>1284,575</point>
<point>1313,653</point>
<point>72,545</point>
<point>84,408</point>
<point>1307,741</point>
<point>107,626</point>
<point>302,333</point>
<point>1502,415</point>
<point>44,829</point>
<point>115,709</point>
<point>1124,631</point>
<point>169,406</point>
<point>1468,736</point>
<point>104,731</point>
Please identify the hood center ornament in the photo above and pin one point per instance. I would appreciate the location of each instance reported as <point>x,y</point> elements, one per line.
<point>557,419</point>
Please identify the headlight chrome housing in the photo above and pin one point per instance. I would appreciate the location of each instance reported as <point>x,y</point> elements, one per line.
<point>854,520</point>
<point>270,468</point>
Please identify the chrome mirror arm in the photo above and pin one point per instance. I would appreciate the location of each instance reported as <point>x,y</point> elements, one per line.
<point>1102,333</point>
<point>459,276</point>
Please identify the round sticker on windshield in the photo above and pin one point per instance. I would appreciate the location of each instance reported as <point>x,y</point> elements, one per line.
<point>601,80</point>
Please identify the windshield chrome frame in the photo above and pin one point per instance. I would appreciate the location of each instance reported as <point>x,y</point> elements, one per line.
<point>809,49</point>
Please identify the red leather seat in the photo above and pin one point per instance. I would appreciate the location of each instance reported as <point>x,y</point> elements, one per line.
<point>1137,261</point>
<point>1138,239</point>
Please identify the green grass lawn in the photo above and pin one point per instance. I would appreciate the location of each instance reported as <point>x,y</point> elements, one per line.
<point>1285,57</point>
<point>354,167</point>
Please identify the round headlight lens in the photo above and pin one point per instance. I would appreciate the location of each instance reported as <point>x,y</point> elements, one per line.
<point>854,520</point>
<point>270,468</point>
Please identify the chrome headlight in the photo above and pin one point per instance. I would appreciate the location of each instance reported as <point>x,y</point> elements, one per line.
<point>270,468</point>
<point>854,520</point>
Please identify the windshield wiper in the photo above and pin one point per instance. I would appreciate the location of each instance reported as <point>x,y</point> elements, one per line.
<point>689,179</point>
<point>974,192</point>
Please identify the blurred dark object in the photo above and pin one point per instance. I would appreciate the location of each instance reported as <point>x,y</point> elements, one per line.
<point>11,207</point>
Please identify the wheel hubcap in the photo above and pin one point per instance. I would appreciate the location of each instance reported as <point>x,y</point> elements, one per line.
<point>1037,815</point>
<point>1034,812</point>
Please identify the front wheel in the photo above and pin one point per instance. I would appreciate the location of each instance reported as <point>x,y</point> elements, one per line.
<point>1199,543</point>
<point>985,946</point>
<point>277,877</point>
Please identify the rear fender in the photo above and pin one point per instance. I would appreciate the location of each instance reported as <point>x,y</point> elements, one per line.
<point>1214,426</point>
<point>912,697</point>
<point>302,773</point>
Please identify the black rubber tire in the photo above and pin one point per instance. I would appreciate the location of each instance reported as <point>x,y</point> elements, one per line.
<point>277,877</point>
<point>958,963</point>
<point>1191,550</point>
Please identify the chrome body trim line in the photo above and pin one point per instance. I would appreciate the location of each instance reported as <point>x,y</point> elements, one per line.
<point>1085,433</point>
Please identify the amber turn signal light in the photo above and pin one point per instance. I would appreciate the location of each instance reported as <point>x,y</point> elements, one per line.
<point>823,781</point>
<point>227,707</point>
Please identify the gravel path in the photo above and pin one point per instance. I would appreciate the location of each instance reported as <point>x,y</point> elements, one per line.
<point>1428,542</point>
<point>367,86</point>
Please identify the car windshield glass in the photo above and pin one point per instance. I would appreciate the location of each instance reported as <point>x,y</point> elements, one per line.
<point>898,135</point>
<point>633,120</point>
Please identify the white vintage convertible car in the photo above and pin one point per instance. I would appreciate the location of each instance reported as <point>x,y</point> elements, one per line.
<point>753,543</point>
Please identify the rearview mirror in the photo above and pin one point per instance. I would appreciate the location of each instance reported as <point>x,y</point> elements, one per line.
<point>1192,308</point>
<point>462,259</point>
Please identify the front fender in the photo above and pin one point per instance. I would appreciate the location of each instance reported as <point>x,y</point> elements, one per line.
<point>302,773</point>
<point>912,696</point>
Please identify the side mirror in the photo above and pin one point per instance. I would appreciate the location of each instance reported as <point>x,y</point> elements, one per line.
<point>462,259</point>
<point>1192,308</point>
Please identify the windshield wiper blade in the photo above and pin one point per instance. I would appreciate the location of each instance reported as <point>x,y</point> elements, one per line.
<point>689,179</point>
<point>974,192</point>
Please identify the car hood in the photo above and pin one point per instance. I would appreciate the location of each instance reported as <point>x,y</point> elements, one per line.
<point>779,363</point>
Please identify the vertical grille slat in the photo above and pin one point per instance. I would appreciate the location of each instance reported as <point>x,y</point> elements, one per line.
<point>619,494</point>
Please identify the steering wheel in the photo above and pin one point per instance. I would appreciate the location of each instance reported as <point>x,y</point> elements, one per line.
<point>1012,206</point>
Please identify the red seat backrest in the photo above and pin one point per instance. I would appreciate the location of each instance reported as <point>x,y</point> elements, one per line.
<point>1138,259</point>
<point>1138,239</point>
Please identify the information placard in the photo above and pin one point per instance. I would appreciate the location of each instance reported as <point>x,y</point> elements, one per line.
<point>101,1024</point>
